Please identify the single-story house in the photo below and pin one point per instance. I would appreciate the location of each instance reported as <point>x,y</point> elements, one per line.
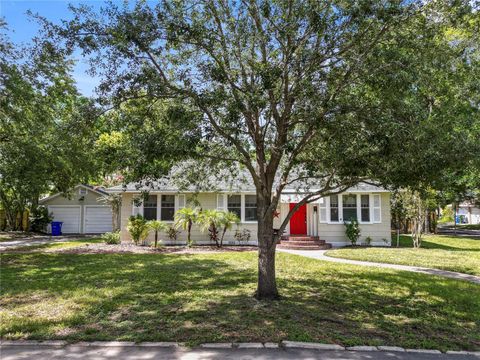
<point>323,219</point>
<point>82,211</point>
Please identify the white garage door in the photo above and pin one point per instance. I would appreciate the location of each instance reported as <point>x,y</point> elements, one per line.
<point>69,215</point>
<point>98,219</point>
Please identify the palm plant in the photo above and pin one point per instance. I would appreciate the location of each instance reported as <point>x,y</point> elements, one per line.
<point>138,228</point>
<point>228,219</point>
<point>211,220</point>
<point>185,218</point>
<point>156,226</point>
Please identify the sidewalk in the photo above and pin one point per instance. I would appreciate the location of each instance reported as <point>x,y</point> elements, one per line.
<point>320,255</point>
<point>44,352</point>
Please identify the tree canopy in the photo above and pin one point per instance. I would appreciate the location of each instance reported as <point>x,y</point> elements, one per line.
<point>328,93</point>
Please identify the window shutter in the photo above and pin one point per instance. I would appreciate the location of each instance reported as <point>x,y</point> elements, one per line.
<point>377,208</point>
<point>181,201</point>
<point>137,207</point>
<point>221,202</point>
<point>323,210</point>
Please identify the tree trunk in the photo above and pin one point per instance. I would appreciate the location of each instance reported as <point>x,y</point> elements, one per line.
<point>267,285</point>
<point>189,233</point>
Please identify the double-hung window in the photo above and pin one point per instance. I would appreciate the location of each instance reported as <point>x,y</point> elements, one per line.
<point>234,204</point>
<point>349,205</point>
<point>150,208</point>
<point>167,207</point>
<point>250,208</point>
<point>334,208</point>
<point>365,208</point>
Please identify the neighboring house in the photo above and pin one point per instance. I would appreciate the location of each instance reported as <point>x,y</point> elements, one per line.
<point>82,211</point>
<point>323,218</point>
<point>468,213</point>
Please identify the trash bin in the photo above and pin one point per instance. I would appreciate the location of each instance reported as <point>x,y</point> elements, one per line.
<point>56,228</point>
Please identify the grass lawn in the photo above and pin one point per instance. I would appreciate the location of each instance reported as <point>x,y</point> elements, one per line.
<point>208,298</point>
<point>459,254</point>
<point>469,226</point>
<point>60,245</point>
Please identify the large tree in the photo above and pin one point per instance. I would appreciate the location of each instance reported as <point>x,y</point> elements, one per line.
<point>45,126</point>
<point>313,94</point>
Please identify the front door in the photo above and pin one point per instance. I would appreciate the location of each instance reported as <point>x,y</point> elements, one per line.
<point>298,222</point>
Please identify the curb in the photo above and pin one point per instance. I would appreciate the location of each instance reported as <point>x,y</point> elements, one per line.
<point>286,344</point>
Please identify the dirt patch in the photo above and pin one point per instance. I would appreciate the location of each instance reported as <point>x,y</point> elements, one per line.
<point>134,249</point>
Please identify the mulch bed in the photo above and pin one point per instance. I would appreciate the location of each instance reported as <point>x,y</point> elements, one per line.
<point>134,249</point>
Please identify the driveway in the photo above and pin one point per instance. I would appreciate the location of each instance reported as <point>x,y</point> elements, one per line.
<point>39,240</point>
<point>158,353</point>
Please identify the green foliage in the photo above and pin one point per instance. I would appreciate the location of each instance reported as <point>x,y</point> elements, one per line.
<point>111,238</point>
<point>39,219</point>
<point>172,233</point>
<point>47,129</point>
<point>352,230</point>
<point>447,215</point>
<point>211,220</point>
<point>157,226</point>
<point>227,221</point>
<point>185,218</point>
<point>138,228</point>
<point>368,241</point>
<point>242,236</point>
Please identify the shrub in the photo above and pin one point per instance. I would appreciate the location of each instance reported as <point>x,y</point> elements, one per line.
<point>138,228</point>
<point>352,230</point>
<point>211,220</point>
<point>242,235</point>
<point>39,219</point>
<point>368,241</point>
<point>111,238</point>
<point>172,233</point>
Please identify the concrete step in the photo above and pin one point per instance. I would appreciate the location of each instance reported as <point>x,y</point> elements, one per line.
<point>300,237</point>
<point>303,242</point>
<point>304,247</point>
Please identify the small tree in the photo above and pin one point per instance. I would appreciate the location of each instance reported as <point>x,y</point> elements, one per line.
<point>185,218</point>
<point>115,202</point>
<point>352,230</point>
<point>227,221</point>
<point>415,210</point>
<point>137,228</point>
<point>156,226</point>
<point>211,220</point>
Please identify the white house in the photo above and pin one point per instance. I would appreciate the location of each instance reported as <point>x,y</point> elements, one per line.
<point>321,220</point>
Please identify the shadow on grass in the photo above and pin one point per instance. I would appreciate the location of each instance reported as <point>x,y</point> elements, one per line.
<point>208,298</point>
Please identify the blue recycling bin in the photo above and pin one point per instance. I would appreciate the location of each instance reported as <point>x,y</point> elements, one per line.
<point>56,228</point>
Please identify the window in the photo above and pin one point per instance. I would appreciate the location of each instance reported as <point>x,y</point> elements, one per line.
<point>349,204</point>
<point>82,191</point>
<point>150,208</point>
<point>333,208</point>
<point>250,208</point>
<point>234,204</point>
<point>365,207</point>
<point>167,207</point>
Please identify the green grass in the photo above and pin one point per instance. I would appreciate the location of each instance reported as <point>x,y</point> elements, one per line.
<point>208,298</point>
<point>459,254</point>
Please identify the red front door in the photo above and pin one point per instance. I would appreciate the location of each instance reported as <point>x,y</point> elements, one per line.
<point>298,222</point>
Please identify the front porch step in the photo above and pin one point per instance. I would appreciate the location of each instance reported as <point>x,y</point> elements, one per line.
<point>290,246</point>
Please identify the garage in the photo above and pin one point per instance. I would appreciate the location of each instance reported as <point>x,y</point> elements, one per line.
<point>98,219</point>
<point>83,210</point>
<point>69,215</point>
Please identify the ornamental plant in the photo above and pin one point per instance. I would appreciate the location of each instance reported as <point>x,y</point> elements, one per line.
<point>352,230</point>
<point>137,227</point>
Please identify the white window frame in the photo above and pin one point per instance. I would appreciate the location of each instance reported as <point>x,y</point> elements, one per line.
<point>242,208</point>
<point>359,209</point>
<point>159,205</point>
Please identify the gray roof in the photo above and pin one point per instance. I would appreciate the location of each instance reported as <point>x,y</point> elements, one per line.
<point>242,182</point>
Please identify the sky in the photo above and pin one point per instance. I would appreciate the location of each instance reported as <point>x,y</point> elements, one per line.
<point>22,29</point>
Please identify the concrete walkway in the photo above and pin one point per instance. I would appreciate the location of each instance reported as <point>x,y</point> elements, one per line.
<point>320,255</point>
<point>159,353</point>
